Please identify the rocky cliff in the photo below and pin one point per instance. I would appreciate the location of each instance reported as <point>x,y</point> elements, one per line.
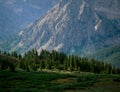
<point>74,27</point>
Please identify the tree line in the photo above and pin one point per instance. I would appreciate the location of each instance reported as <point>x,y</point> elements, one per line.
<point>32,61</point>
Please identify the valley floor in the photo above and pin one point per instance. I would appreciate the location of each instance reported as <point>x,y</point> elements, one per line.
<point>49,81</point>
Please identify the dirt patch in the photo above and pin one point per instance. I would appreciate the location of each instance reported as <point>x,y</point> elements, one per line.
<point>74,91</point>
<point>106,82</point>
<point>67,80</point>
<point>107,85</point>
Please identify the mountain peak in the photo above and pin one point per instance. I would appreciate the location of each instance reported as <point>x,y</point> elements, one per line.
<point>74,26</point>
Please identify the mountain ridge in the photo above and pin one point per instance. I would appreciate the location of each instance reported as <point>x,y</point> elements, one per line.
<point>77,27</point>
<point>16,14</point>
<point>109,55</point>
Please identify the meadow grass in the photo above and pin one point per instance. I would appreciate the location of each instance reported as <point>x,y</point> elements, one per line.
<point>44,81</point>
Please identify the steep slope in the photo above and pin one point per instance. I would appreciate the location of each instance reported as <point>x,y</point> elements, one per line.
<point>16,14</point>
<point>74,26</point>
<point>109,55</point>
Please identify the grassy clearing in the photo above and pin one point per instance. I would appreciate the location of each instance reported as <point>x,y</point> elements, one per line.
<point>22,81</point>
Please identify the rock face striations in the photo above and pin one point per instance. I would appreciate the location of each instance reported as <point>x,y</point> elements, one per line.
<point>74,27</point>
<point>16,14</point>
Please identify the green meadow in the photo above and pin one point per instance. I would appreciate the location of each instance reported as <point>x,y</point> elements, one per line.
<point>57,81</point>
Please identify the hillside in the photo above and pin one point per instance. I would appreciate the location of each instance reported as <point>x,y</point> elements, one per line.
<point>109,55</point>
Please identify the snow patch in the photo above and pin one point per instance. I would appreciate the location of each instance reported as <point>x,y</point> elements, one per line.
<point>62,11</point>
<point>58,47</point>
<point>47,46</point>
<point>81,9</point>
<point>97,25</point>
<point>20,44</point>
<point>62,23</point>
<point>20,33</point>
<point>65,7</point>
<point>30,24</point>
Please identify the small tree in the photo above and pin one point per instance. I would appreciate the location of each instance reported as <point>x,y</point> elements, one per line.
<point>12,67</point>
<point>42,65</point>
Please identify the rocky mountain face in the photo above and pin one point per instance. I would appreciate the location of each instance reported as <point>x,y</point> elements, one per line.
<point>74,27</point>
<point>16,14</point>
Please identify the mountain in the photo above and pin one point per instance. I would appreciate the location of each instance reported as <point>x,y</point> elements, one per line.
<point>79,27</point>
<point>109,55</point>
<point>16,14</point>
